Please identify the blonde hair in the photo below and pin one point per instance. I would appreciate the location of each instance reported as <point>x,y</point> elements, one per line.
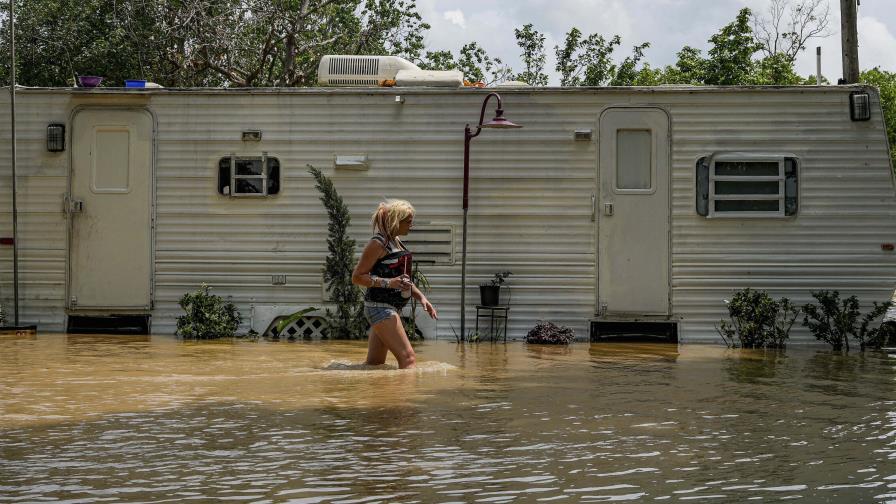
<point>387,216</point>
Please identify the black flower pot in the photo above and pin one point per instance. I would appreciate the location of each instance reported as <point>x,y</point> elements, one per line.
<point>490,295</point>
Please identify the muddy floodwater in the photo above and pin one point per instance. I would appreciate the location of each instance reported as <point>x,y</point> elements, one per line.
<point>117,418</point>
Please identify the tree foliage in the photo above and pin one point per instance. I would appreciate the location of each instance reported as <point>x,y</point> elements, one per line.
<point>730,60</point>
<point>531,42</point>
<point>473,61</point>
<point>206,42</point>
<point>886,83</point>
<point>788,25</point>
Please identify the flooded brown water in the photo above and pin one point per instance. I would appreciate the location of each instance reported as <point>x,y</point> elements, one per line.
<point>117,418</point>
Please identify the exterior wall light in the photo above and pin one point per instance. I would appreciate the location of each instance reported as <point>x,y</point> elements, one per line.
<point>860,106</point>
<point>582,135</point>
<point>56,137</point>
<point>252,136</point>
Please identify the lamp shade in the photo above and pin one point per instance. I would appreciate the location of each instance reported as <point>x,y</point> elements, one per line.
<point>500,122</point>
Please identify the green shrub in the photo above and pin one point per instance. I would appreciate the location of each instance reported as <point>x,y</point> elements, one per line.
<point>757,320</point>
<point>207,316</point>
<point>2,316</point>
<point>834,321</point>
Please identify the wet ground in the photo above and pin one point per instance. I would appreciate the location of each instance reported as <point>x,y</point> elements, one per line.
<point>116,418</point>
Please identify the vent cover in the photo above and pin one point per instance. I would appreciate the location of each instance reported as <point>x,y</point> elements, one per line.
<point>431,243</point>
<point>346,65</point>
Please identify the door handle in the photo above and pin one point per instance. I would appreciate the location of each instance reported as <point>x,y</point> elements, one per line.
<point>593,203</point>
<point>72,206</point>
<point>608,209</point>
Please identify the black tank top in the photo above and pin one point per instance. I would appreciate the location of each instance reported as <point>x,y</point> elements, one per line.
<point>396,262</point>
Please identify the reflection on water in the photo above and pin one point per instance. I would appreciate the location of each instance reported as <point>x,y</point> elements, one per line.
<point>92,418</point>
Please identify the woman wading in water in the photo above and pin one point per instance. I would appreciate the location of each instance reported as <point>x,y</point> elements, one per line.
<point>385,268</point>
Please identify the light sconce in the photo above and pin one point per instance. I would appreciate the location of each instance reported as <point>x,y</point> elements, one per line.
<point>860,106</point>
<point>252,136</point>
<point>56,137</point>
<point>582,135</point>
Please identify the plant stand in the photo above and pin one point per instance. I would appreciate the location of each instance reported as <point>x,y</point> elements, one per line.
<point>497,320</point>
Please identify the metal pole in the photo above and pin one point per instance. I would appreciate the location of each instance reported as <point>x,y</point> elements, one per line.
<point>463,253</point>
<point>12,108</point>
<point>818,66</point>
<point>849,39</point>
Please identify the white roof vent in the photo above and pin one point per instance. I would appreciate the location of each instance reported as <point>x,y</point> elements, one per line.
<point>350,70</point>
<point>439,78</point>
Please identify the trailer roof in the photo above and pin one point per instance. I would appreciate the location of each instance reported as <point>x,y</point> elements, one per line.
<point>442,90</point>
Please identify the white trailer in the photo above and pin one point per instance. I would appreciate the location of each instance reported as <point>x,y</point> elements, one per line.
<point>611,204</point>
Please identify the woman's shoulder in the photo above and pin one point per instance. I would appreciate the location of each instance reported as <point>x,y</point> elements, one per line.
<point>379,238</point>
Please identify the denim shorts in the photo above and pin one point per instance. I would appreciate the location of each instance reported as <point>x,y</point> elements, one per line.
<point>378,312</point>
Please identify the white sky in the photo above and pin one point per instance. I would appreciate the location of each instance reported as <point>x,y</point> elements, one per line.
<point>668,25</point>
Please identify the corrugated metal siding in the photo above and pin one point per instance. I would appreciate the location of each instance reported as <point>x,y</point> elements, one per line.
<point>42,179</point>
<point>528,200</point>
<point>530,195</point>
<point>846,206</point>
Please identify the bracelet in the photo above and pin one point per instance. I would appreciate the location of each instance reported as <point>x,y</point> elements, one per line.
<point>373,280</point>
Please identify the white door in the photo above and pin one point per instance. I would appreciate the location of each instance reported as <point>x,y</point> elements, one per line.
<point>633,212</point>
<point>109,210</point>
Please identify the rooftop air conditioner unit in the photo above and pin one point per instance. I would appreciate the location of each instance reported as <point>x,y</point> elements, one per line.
<point>342,70</point>
<point>347,70</point>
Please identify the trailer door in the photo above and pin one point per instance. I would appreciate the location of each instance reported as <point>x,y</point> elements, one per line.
<point>634,212</point>
<point>109,207</point>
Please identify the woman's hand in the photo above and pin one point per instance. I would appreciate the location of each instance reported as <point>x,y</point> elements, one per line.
<point>402,282</point>
<point>429,308</point>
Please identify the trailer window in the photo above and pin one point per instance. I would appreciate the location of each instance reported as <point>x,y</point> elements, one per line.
<point>760,186</point>
<point>248,176</point>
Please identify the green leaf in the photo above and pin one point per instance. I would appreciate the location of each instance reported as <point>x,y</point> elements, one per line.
<point>292,318</point>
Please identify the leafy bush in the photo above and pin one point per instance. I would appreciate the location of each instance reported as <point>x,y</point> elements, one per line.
<point>757,320</point>
<point>834,321</point>
<point>207,316</point>
<point>550,334</point>
<point>2,316</point>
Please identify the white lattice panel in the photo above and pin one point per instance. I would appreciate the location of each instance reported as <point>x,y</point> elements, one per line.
<point>313,328</point>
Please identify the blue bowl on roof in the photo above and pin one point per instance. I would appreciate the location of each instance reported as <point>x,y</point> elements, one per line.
<point>134,83</point>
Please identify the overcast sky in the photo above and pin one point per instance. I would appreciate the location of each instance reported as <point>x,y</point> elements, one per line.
<point>667,24</point>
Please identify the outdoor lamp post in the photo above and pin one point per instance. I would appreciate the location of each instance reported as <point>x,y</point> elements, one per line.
<point>498,122</point>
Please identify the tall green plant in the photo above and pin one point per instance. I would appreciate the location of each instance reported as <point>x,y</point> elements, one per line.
<point>757,320</point>
<point>348,321</point>
<point>834,321</point>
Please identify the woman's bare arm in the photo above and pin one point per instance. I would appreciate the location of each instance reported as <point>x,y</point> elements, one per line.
<point>372,252</point>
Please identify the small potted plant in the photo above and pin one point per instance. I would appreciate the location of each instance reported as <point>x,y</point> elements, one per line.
<point>490,292</point>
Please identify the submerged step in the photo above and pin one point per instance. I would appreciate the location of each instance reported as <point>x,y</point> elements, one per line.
<point>108,324</point>
<point>662,331</point>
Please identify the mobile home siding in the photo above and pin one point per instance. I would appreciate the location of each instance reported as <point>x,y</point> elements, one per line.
<point>530,196</point>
